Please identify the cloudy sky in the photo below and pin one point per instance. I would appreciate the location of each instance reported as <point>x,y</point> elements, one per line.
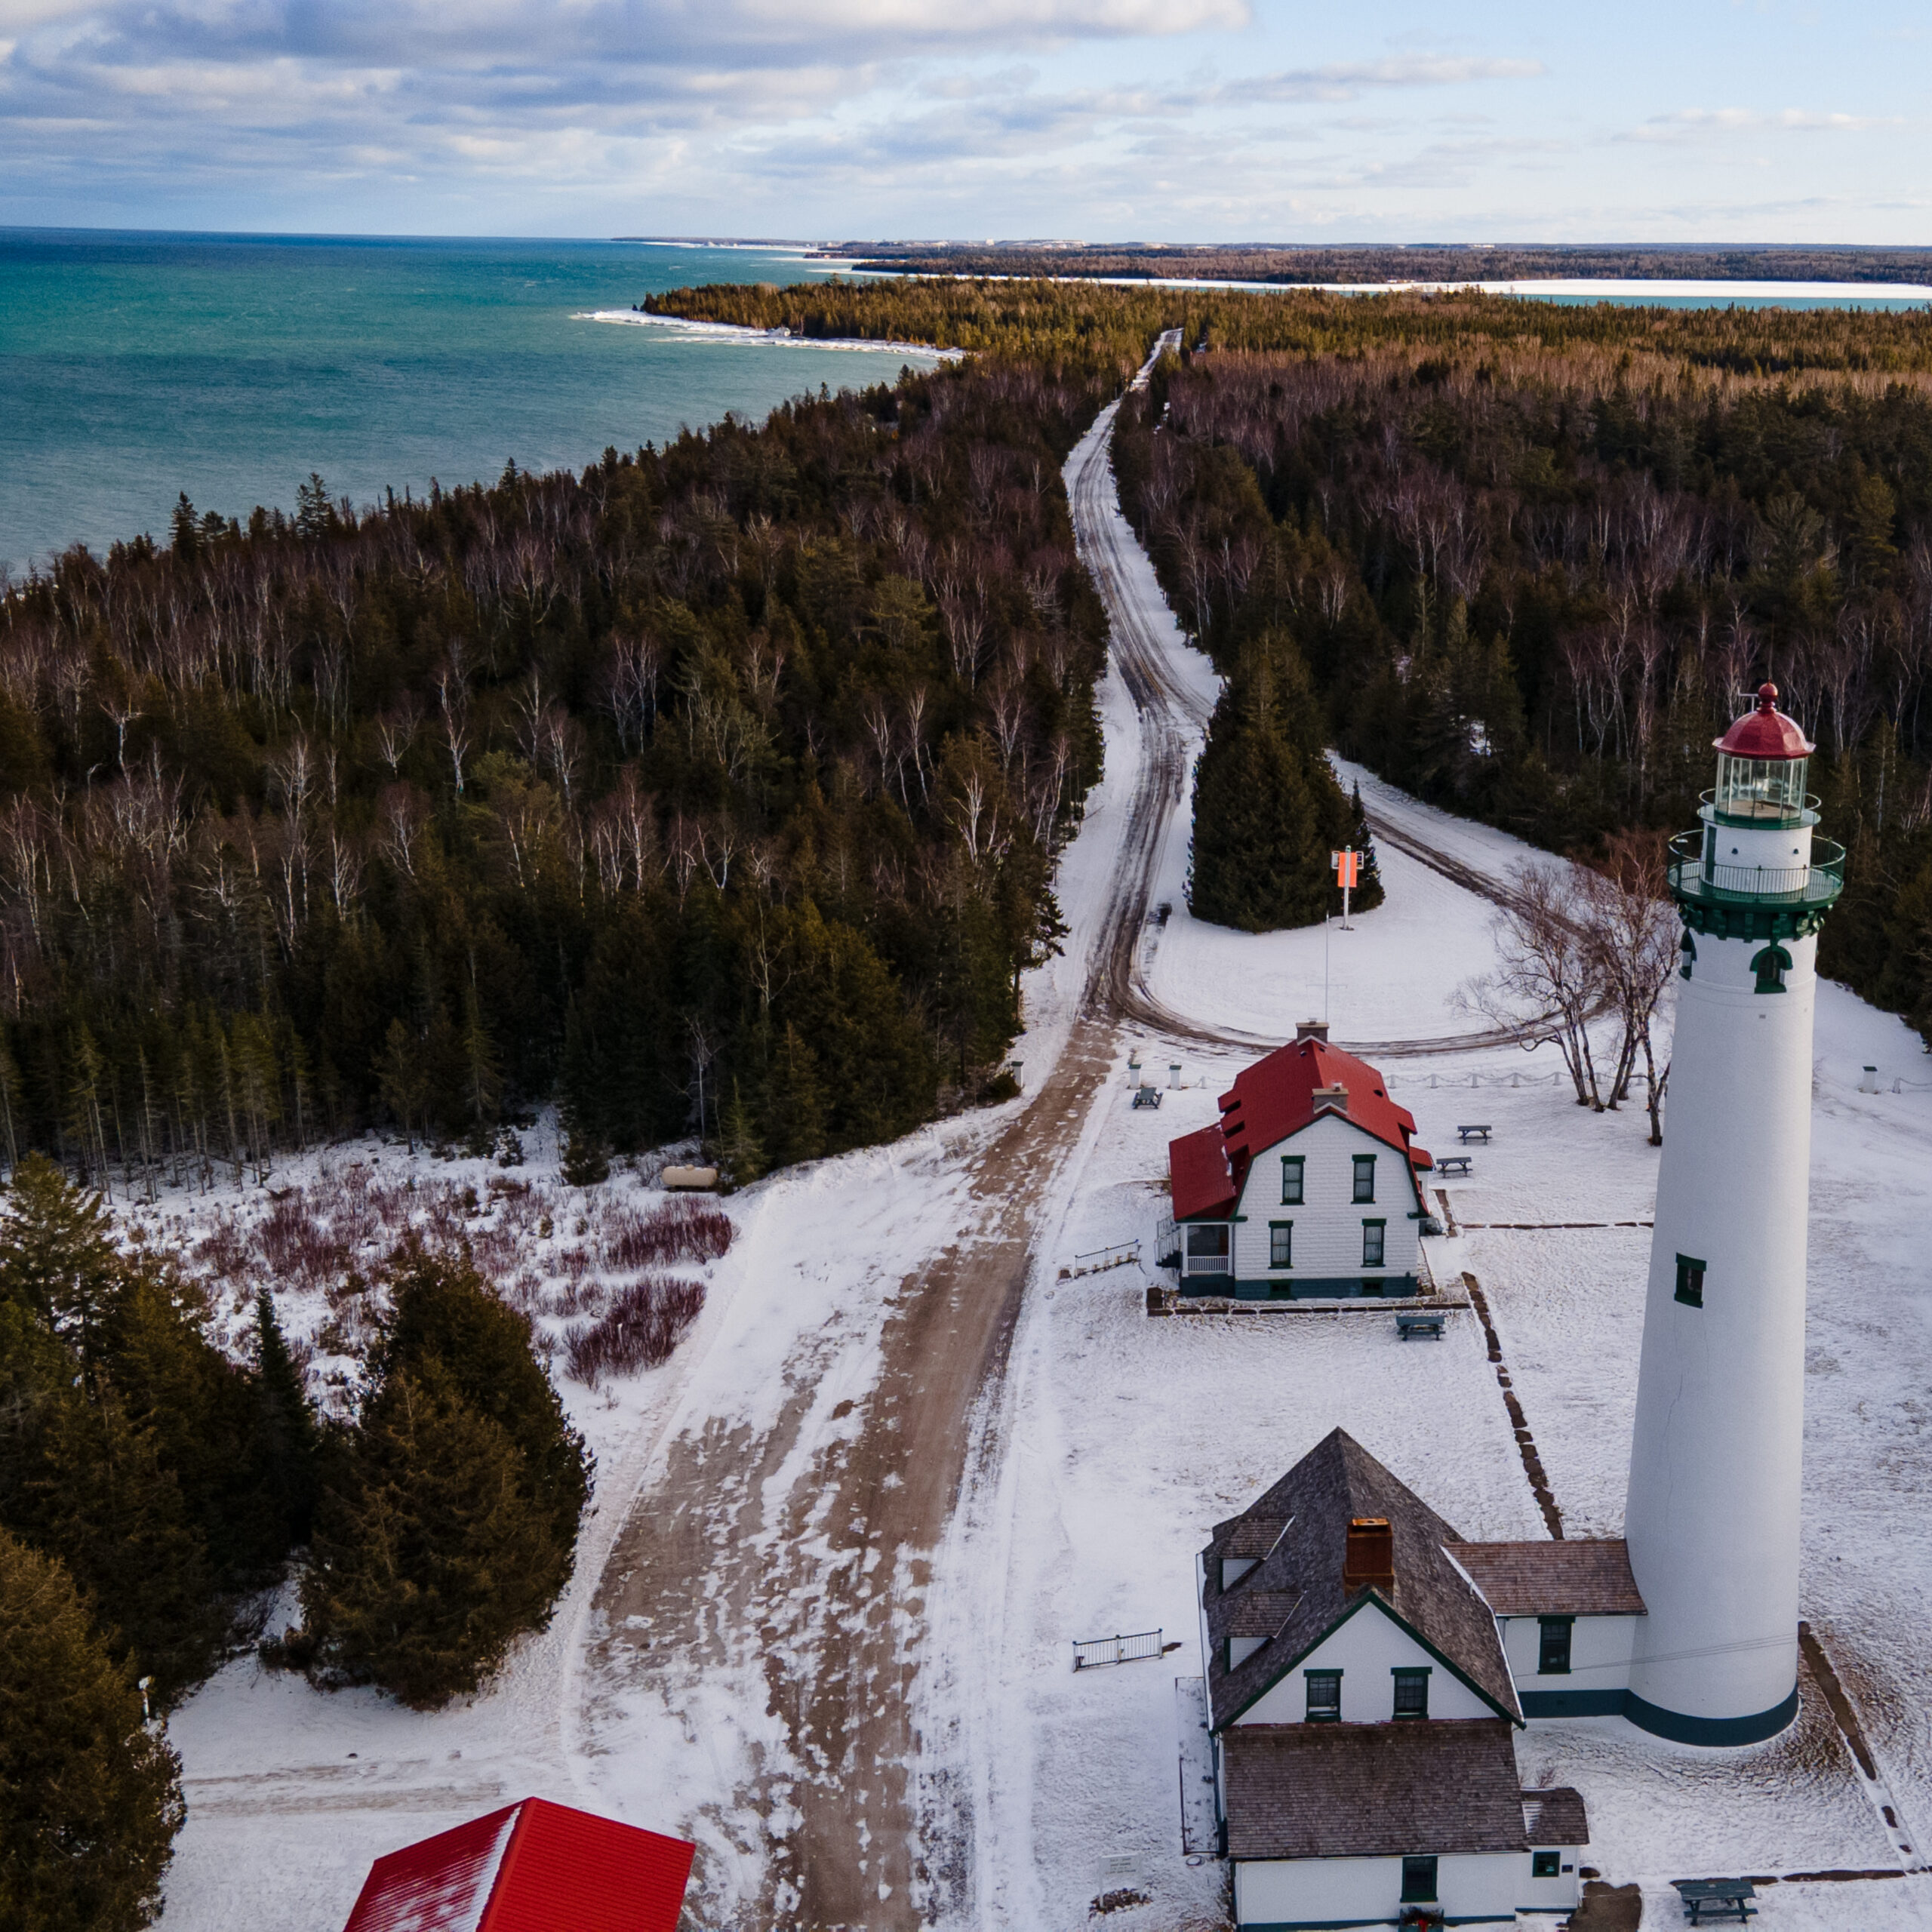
<point>1125,119</point>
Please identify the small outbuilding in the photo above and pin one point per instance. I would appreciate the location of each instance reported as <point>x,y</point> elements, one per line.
<point>1309,1185</point>
<point>531,1867</point>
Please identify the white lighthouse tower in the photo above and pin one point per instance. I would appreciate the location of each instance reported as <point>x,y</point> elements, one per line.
<point>1712,1519</point>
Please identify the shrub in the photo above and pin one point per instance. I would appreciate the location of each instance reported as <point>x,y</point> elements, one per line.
<point>665,1236</point>
<point>644,1324</point>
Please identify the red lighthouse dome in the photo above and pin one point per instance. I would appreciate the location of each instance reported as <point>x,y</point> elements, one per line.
<point>1766,732</point>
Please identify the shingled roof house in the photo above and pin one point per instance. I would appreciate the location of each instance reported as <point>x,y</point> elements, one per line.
<point>1307,1185</point>
<point>1365,1678</point>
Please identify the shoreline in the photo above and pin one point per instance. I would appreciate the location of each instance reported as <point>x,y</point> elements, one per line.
<point>772,338</point>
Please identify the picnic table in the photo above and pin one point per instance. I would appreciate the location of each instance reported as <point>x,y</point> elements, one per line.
<point>1716,1898</point>
<point>1452,1164</point>
<point>1477,1131</point>
<point>1425,1322</point>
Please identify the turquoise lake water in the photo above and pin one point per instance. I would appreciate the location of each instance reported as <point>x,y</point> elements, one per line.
<point>135,366</point>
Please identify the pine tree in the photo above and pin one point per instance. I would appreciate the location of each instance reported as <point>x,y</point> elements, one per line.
<point>57,1258</point>
<point>90,1800</point>
<point>744,1155</point>
<point>586,1158</point>
<point>1368,893</point>
<point>286,1442</point>
<point>431,1558</point>
<point>794,1112</point>
<point>443,1313</point>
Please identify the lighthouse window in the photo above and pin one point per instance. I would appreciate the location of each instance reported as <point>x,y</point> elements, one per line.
<point>1291,1169</point>
<point>1364,1176</point>
<point>1280,1243</point>
<point>1770,965</point>
<point>1689,949</point>
<point>1690,1282</point>
<point>1419,1880</point>
<point>1372,1243</point>
<point>1546,1864</point>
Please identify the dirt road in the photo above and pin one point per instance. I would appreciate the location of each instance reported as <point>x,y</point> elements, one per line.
<point>812,1551</point>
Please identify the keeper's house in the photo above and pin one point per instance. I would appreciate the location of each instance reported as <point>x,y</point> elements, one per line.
<point>1309,1186</point>
<point>1364,1693</point>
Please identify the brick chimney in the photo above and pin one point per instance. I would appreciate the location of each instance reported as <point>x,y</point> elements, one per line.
<point>1311,1029</point>
<point>1335,1096</point>
<point>1370,1554</point>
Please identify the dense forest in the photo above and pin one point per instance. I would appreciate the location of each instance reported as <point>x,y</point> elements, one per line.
<point>714,790</point>
<point>1365,264</point>
<point>1531,581</point>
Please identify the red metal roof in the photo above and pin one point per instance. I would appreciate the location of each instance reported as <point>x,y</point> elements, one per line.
<point>1766,732</point>
<point>532,1867</point>
<point>1270,1100</point>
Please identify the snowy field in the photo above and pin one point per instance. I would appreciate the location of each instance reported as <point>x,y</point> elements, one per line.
<point>1117,1440</point>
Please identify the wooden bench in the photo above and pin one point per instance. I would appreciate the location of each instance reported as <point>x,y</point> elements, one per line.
<point>1707,1899</point>
<point>1479,1132</point>
<point>1412,1324</point>
<point>1452,1164</point>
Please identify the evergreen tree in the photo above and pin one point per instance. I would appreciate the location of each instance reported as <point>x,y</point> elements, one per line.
<point>744,1155</point>
<point>1264,806</point>
<point>90,1799</point>
<point>57,1258</point>
<point>1368,893</point>
<point>795,1109</point>
<point>586,1158</point>
<point>286,1443</point>
<point>443,1313</point>
<point>431,1556</point>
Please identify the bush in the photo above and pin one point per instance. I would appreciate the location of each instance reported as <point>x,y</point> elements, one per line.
<point>665,1236</point>
<point>644,1324</point>
<point>90,1800</point>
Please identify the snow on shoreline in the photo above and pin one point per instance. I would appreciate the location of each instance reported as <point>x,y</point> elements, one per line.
<point>779,338</point>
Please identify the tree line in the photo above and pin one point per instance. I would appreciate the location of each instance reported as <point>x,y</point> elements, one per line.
<point>1532,583</point>
<point>713,790</point>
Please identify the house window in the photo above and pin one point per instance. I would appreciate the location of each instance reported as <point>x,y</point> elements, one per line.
<point>1291,1171</point>
<point>1372,1243</point>
<point>1280,1243</point>
<point>1553,1653</point>
<point>1690,1280</point>
<point>1364,1176</point>
<point>1207,1248</point>
<point>1546,1864</point>
<point>1419,1880</point>
<point>1411,1693</point>
<point>1324,1696</point>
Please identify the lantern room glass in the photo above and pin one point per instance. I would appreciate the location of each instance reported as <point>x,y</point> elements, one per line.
<point>1764,791</point>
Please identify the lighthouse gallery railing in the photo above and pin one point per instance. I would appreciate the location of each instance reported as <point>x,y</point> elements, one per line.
<point>1817,883</point>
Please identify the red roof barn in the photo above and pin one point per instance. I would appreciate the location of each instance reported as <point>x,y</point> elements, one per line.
<point>532,1867</point>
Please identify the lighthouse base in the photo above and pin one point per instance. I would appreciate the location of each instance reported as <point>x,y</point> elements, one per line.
<point>1681,1729</point>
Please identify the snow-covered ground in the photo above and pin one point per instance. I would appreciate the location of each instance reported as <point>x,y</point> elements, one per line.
<point>1116,1439</point>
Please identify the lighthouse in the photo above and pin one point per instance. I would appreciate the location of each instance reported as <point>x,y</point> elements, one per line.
<point>1712,1515</point>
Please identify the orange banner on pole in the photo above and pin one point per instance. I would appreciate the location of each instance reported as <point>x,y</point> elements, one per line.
<point>1348,868</point>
